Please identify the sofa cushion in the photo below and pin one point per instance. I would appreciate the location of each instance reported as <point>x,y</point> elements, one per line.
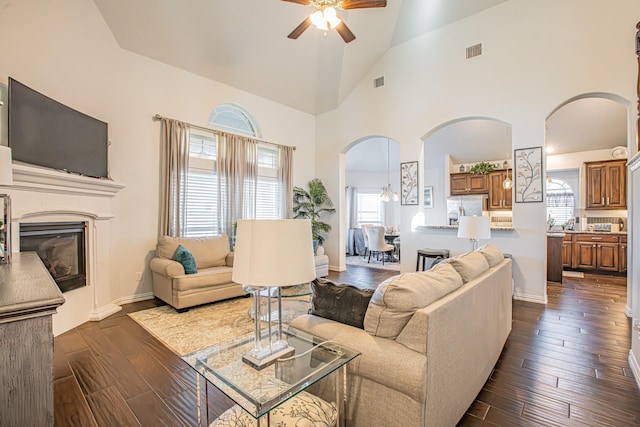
<point>208,251</point>
<point>492,253</point>
<point>340,302</point>
<point>397,298</point>
<point>184,257</point>
<point>206,278</point>
<point>469,265</point>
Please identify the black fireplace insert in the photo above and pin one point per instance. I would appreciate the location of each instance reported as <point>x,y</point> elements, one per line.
<point>61,247</point>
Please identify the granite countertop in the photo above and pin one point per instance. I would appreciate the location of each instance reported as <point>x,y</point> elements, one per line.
<point>617,233</point>
<point>455,227</point>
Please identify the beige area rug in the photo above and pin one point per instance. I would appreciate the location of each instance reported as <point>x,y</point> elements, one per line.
<point>358,260</point>
<point>206,325</point>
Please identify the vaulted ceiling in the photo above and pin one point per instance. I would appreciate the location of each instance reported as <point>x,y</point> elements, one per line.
<point>244,43</point>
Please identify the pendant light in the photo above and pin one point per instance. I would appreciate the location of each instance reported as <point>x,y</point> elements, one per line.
<point>387,193</point>
<point>507,183</point>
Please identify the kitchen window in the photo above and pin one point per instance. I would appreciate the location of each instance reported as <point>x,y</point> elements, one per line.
<point>560,201</point>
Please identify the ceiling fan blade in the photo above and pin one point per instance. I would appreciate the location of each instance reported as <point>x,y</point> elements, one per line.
<point>345,32</point>
<point>300,29</point>
<point>361,4</point>
<point>303,2</point>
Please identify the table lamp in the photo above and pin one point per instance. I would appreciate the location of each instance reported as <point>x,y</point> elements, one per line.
<point>6,179</point>
<point>474,228</point>
<point>270,254</point>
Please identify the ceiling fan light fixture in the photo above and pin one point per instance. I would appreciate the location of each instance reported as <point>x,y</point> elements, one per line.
<point>325,19</point>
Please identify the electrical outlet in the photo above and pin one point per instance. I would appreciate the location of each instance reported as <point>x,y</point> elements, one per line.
<point>139,276</point>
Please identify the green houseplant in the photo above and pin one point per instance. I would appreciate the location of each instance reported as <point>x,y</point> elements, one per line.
<point>313,204</point>
<point>482,168</point>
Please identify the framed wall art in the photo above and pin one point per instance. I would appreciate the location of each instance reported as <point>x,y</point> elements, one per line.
<point>528,175</point>
<point>409,183</point>
<point>428,197</point>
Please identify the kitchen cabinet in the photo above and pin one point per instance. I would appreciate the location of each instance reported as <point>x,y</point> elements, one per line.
<point>499,197</point>
<point>554,257</point>
<point>596,252</point>
<point>468,183</point>
<point>622,257</point>
<point>567,251</point>
<point>606,184</point>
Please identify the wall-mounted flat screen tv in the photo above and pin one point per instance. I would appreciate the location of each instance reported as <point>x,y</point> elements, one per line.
<point>44,132</point>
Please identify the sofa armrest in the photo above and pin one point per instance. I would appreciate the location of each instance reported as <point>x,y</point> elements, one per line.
<point>229,259</point>
<point>166,267</point>
<point>379,359</point>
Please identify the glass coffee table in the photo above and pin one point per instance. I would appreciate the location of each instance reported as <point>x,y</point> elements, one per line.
<point>315,373</point>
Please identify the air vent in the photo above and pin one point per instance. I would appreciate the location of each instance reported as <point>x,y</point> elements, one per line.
<point>378,82</point>
<point>475,50</point>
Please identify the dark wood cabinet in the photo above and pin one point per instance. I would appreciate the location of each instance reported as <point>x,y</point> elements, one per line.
<point>606,184</point>
<point>499,197</point>
<point>554,257</point>
<point>567,251</point>
<point>622,257</point>
<point>468,183</point>
<point>596,252</point>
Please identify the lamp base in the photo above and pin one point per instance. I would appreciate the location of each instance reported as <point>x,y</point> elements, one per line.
<point>260,359</point>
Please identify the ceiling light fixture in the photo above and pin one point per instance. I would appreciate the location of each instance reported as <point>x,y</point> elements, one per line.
<point>387,193</point>
<point>325,18</point>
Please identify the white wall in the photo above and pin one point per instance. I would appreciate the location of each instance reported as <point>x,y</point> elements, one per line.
<point>64,49</point>
<point>537,55</point>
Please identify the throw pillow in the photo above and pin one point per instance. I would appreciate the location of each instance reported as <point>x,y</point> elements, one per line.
<point>469,265</point>
<point>184,257</point>
<point>396,299</point>
<point>492,253</point>
<point>340,302</point>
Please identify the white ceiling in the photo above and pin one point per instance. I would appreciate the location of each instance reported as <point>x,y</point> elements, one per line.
<point>244,43</point>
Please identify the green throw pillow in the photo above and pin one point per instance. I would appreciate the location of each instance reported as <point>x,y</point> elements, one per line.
<point>184,257</point>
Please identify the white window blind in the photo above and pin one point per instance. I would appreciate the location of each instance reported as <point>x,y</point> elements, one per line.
<point>369,209</point>
<point>202,183</point>
<point>560,201</point>
<point>269,191</point>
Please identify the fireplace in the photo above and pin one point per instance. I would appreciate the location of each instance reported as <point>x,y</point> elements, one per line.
<point>61,247</point>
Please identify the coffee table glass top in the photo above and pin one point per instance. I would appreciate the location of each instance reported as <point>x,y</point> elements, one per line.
<point>258,392</point>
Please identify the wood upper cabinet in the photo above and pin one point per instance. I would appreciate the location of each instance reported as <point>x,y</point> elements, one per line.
<point>468,183</point>
<point>499,197</point>
<point>606,184</point>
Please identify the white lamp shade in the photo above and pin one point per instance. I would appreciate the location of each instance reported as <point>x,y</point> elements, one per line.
<point>6,170</point>
<point>273,253</point>
<point>474,227</point>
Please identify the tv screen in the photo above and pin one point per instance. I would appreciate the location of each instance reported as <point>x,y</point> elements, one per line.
<point>47,133</point>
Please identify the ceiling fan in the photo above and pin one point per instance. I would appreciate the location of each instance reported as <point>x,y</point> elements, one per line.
<point>325,16</point>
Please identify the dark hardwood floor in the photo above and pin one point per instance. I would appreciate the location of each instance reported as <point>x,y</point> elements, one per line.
<point>564,364</point>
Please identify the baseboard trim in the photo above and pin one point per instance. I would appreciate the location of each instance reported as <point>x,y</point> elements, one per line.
<point>635,367</point>
<point>103,312</point>
<point>134,298</point>
<point>628,312</point>
<point>530,298</point>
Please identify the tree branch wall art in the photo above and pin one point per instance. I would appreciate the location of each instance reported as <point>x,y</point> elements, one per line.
<point>528,175</point>
<point>409,183</point>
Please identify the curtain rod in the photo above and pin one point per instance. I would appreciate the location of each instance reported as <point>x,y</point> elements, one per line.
<point>159,117</point>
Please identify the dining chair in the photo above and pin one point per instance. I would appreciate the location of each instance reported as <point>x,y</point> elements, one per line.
<point>366,239</point>
<point>377,244</point>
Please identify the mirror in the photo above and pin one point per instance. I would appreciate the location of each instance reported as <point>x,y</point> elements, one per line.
<point>463,142</point>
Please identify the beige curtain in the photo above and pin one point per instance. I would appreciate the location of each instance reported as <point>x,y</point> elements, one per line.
<point>173,170</point>
<point>285,177</point>
<point>237,179</point>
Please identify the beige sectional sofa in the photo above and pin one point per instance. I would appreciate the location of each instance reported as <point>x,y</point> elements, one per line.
<point>430,341</point>
<point>212,281</point>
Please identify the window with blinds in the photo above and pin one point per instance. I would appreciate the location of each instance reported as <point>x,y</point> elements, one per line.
<point>202,201</point>
<point>560,201</point>
<point>369,208</point>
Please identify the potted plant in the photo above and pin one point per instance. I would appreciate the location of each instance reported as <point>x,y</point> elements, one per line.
<point>482,168</point>
<point>313,204</point>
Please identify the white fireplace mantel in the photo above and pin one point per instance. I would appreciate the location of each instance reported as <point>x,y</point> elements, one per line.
<point>31,178</point>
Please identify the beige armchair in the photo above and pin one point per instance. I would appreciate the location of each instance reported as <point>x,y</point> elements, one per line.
<point>212,281</point>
